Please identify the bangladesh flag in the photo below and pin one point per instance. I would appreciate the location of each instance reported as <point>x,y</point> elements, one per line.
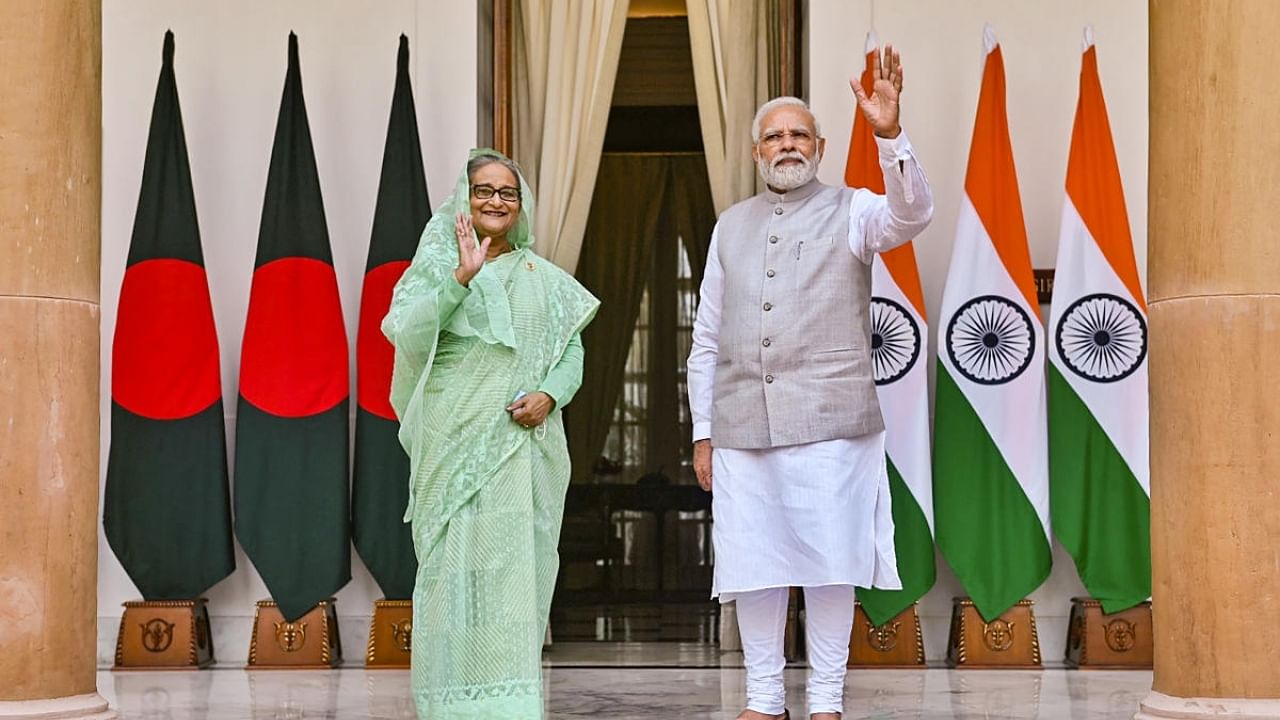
<point>167,509</point>
<point>1098,369</point>
<point>991,465</point>
<point>292,419</point>
<point>898,330</point>
<point>380,489</point>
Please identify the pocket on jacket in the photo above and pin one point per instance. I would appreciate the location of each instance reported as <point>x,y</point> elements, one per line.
<point>814,248</point>
<point>851,362</point>
<point>811,257</point>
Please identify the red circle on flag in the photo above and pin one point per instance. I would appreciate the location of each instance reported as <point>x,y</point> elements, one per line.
<point>375,357</point>
<point>164,359</point>
<point>293,361</point>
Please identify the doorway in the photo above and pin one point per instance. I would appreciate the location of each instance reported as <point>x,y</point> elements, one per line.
<point>635,546</point>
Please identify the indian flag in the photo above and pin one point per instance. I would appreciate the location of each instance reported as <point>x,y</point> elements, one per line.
<point>898,332</point>
<point>1098,369</point>
<point>991,469</point>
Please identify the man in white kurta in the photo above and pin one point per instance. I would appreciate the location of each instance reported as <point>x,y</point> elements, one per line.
<point>785,414</point>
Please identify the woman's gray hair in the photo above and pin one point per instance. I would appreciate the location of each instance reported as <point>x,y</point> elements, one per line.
<point>480,161</point>
<point>784,101</point>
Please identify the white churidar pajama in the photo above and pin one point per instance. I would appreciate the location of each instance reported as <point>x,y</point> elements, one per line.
<point>829,621</point>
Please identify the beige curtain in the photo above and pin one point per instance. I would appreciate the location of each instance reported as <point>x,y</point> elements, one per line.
<point>566,62</point>
<point>731,72</point>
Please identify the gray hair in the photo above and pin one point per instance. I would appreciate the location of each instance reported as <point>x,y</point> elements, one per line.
<point>480,161</point>
<point>784,101</point>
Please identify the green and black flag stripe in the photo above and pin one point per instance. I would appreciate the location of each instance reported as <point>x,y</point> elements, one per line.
<point>380,489</point>
<point>167,508</point>
<point>292,416</point>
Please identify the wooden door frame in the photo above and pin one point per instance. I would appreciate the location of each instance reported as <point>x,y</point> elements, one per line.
<point>503,61</point>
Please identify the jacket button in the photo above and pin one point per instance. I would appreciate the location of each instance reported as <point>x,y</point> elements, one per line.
<point>768,378</point>
<point>773,239</point>
<point>768,307</point>
<point>777,210</point>
<point>771,273</point>
<point>766,342</point>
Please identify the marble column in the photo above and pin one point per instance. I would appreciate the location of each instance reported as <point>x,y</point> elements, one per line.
<point>50,187</point>
<point>1214,268</point>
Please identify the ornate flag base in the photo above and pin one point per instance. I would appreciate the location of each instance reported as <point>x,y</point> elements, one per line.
<point>309,643</point>
<point>1009,641</point>
<point>1120,641</point>
<point>164,635</point>
<point>895,644</point>
<point>390,635</point>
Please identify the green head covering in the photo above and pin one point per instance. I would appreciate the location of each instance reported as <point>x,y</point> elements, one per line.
<point>520,236</point>
<point>485,314</point>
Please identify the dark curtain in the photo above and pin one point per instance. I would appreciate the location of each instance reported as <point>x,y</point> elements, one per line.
<point>642,202</point>
<point>693,213</point>
<point>663,440</point>
<point>616,254</point>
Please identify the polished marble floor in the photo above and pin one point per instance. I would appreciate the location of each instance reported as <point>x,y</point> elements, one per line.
<point>631,681</point>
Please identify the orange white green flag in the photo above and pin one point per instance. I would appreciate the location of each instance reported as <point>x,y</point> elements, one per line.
<point>898,332</point>
<point>1097,378</point>
<point>991,469</point>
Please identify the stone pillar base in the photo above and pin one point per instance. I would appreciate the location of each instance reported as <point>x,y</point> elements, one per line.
<point>1158,706</point>
<point>76,707</point>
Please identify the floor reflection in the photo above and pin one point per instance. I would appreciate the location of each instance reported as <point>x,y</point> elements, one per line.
<point>631,681</point>
<point>694,622</point>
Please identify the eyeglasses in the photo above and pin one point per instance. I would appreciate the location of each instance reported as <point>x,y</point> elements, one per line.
<point>485,192</point>
<point>773,138</point>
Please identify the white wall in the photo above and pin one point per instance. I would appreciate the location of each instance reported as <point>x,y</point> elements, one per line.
<point>941,46</point>
<point>230,65</point>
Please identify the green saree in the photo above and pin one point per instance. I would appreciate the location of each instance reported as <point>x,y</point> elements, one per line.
<point>486,495</point>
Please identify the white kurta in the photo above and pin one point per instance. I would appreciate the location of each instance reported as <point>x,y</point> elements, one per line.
<point>818,513</point>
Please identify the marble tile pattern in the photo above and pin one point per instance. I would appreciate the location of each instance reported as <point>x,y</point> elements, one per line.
<point>632,681</point>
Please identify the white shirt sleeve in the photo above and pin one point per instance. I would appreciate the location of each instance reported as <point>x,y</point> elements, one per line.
<point>706,342</point>
<point>883,222</point>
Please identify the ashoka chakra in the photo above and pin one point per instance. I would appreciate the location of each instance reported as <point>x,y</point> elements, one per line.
<point>895,341</point>
<point>990,340</point>
<point>1102,337</point>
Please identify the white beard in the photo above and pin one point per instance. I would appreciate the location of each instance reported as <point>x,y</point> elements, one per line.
<point>788,177</point>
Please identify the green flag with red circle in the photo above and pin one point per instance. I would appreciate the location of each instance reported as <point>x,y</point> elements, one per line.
<point>292,421</point>
<point>380,487</point>
<point>167,506</point>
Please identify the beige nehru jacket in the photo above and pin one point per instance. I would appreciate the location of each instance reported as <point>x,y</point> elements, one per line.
<point>781,351</point>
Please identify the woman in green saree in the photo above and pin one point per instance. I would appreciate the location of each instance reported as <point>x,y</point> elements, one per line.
<point>488,352</point>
